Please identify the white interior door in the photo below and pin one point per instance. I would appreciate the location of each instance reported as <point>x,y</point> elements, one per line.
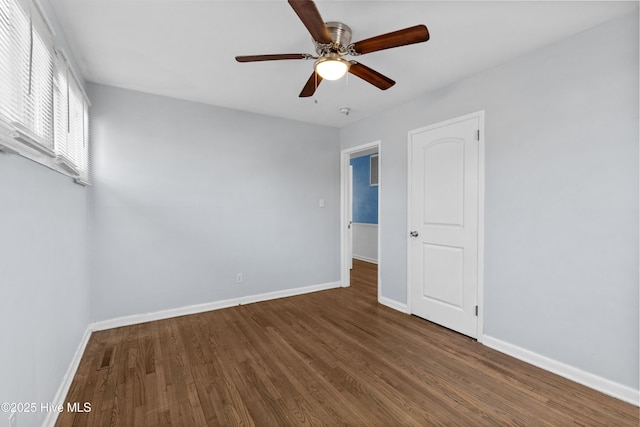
<point>443,221</point>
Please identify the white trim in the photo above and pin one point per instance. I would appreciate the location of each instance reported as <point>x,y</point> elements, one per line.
<point>6,149</point>
<point>364,224</point>
<point>25,136</point>
<point>61,394</point>
<point>393,304</point>
<point>365,259</point>
<point>359,228</point>
<point>409,190</point>
<point>45,18</point>
<point>379,278</point>
<point>593,381</point>
<point>200,308</point>
<point>63,390</point>
<point>67,165</point>
<point>481,196</point>
<point>345,156</point>
<point>11,146</point>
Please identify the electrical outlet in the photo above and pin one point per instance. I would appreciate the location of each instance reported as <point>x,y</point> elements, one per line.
<point>13,421</point>
<point>239,278</point>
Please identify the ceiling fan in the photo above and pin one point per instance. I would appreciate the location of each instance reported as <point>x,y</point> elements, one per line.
<point>333,41</point>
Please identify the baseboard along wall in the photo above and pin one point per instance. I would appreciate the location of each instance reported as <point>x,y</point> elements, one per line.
<point>63,390</point>
<point>595,382</point>
<point>590,380</point>
<point>365,242</point>
<point>215,305</point>
<point>603,385</point>
<point>365,259</point>
<point>403,308</point>
<point>61,394</point>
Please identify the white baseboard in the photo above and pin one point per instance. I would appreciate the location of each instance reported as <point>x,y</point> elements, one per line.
<point>61,394</point>
<point>364,258</point>
<point>595,382</point>
<point>393,304</point>
<point>200,308</point>
<point>603,385</point>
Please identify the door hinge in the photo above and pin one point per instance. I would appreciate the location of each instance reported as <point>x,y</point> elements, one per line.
<point>476,310</point>
<point>478,135</point>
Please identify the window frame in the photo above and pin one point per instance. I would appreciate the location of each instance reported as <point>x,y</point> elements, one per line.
<point>29,127</point>
<point>377,174</point>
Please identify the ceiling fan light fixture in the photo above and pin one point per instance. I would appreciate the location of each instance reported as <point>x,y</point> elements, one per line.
<point>331,67</point>
<point>332,41</point>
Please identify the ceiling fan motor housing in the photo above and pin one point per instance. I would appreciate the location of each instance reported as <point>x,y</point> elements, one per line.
<point>341,37</point>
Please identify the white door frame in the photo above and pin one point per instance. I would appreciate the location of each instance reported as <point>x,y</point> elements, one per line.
<point>481,147</point>
<point>349,218</point>
<point>345,157</point>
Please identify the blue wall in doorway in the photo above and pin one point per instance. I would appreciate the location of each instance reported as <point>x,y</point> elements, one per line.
<point>365,196</point>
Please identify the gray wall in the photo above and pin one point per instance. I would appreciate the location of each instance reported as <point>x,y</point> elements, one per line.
<point>561,226</point>
<point>44,294</point>
<point>186,196</point>
<point>44,307</point>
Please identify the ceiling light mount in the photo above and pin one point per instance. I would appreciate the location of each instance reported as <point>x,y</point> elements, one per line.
<point>340,39</point>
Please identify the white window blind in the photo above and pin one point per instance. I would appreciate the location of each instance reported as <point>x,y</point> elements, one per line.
<point>42,106</point>
<point>61,105</point>
<point>38,108</point>
<point>75,148</point>
<point>9,45</point>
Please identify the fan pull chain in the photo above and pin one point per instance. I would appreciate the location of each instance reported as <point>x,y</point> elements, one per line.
<point>315,92</point>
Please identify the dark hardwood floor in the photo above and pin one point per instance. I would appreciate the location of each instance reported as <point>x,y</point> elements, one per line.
<point>330,358</point>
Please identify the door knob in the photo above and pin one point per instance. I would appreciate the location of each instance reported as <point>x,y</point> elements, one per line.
<point>413,234</point>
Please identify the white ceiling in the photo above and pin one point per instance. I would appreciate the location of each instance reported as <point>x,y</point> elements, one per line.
<point>186,48</point>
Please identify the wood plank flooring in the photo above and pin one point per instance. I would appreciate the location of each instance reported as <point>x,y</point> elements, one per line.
<point>329,358</point>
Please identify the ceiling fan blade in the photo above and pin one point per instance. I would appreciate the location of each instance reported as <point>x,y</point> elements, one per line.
<point>410,35</point>
<point>372,76</point>
<point>312,84</point>
<point>310,17</point>
<point>276,57</point>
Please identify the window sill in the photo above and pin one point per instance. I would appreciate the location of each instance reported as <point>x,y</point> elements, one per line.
<point>13,146</point>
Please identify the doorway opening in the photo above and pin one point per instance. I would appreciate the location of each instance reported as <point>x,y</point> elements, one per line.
<point>360,180</point>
